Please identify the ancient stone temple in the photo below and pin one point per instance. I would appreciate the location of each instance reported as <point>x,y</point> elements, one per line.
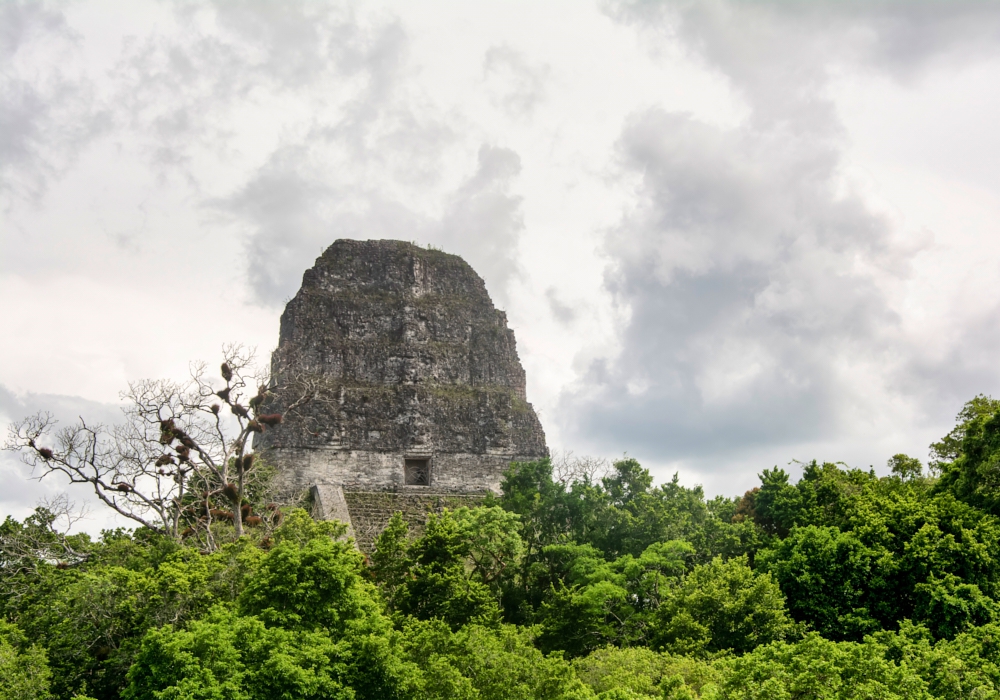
<point>424,403</point>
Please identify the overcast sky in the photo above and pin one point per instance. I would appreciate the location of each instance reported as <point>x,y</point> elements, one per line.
<point>728,235</point>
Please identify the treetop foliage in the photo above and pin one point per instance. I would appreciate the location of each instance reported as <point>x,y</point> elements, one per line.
<point>572,583</point>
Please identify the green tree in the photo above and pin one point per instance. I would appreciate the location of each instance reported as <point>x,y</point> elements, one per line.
<point>529,490</point>
<point>969,456</point>
<point>949,448</point>
<point>967,666</point>
<point>777,503</point>
<point>818,668</point>
<point>389,564</point>
<point>722,606</point>
<point>490,663</point>
<point>579,619</point>
<point>24,669</point>
<point>948,605</point>
<point>29,550</point>
<point>306,624</point>
<point>441,584</point>
<point>457,570</point>
<point>620,515</point>
<point>590,602</point>
<point>905,467</point>
<point>310,583</point>
<point>828,578</point>
<point>645,673</point>
<point>92,617</point>
<point>228,657</point>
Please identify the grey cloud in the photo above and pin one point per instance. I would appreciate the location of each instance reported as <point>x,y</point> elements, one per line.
<point>330,175</point>
<point>739,272</point>
<point>287,41</point>
<point>180,91</point>
<point>904,38</point>
<point>754,288</point>
<point>943,379</point>
<point>294,215</point>
<point>564,313</point>
<point>42,131</point>
<point>46,116</point>
<point>780,54</point>
<point>21,22</point>
<point>284,207</point>
<point>360,145</point>
<point>66,409</point>
<point>385,124</point>
<point>516,86</point>
<point>21,492</point>
<point>484,222</point>
<point>18,122</point>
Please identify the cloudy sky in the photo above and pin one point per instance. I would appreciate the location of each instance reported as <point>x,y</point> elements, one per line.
<point>728,235</point>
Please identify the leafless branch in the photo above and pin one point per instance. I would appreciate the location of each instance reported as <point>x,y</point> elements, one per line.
<point>182,457</point>
<point>567,468</point>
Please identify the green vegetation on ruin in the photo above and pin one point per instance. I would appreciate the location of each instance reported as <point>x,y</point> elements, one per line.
<point>466,392</point>
<point>371,510</point>
<point>446,392</point>
<point>450,303</point>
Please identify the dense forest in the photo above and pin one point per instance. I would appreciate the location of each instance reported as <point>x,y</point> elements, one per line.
<point>568,585</point>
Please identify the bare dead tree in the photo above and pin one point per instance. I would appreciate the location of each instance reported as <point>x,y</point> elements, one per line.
<point>182,458</point>
<point>63,514</point>
<point>568,467</point>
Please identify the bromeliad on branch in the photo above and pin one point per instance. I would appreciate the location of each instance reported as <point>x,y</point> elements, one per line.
<point>176,458</point>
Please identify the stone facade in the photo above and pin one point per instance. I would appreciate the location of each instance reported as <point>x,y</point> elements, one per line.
<point>425,394</point>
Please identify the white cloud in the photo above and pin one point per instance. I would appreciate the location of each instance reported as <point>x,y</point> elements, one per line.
<point>515,86</point>
<point>48,111</point>
<point>749,280</point>
<point>767,302</point>
<point>795,204</point>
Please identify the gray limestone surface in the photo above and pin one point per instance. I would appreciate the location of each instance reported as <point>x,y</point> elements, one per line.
<point>424,388</point>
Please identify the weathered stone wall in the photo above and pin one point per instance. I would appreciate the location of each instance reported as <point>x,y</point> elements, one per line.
<point>371,511</point>
<point>416,354</point>
<point>382,471</point>
<point>417,363</point>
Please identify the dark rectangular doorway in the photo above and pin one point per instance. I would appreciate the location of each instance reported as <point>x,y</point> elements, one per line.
<point>417,471</point>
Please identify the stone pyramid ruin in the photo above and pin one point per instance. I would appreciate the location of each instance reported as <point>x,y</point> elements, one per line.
<point>425,403</point>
